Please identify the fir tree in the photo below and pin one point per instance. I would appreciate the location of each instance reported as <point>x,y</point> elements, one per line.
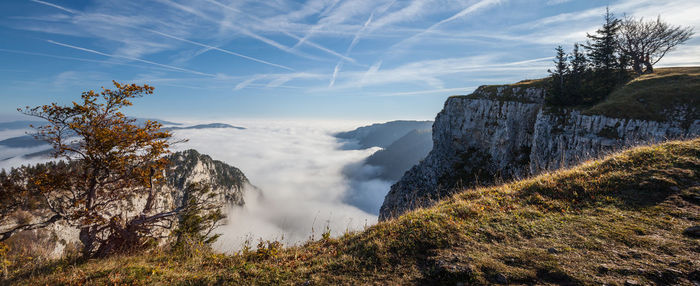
<point>602,48</point>
<point>558,92</point>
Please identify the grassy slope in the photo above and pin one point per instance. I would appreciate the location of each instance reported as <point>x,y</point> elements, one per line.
<point>510,93</point>
<point>604,221</point>
<point>648,96</point>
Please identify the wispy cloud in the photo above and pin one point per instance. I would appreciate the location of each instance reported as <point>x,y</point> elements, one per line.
<point>54,5</point>
<point>220,50</point>
<point>480,5</point>
<point>130,58</point>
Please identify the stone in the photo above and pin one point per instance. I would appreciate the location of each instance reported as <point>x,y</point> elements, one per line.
<point>501,279</point>
<point>552,250</point>
<point>631,282</point>
<point>693,231</point>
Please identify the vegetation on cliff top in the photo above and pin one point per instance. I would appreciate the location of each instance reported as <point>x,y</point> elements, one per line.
<point>616,220</point>
<point>654,96</point>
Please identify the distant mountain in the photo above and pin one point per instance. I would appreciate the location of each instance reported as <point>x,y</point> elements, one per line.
<point>404,143</point>
<point>403,154</point>
<point>24,141</point>
<point>20,124</point>
<point>24,124</point>
<point>205,126</point>
<point>381,134</point>
<point>142,121</point>
<point>28,141</point>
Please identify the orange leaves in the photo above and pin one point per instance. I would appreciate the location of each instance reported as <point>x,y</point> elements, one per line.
<point>112,156</point>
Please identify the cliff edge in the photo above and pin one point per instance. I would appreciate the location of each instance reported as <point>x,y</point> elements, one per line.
<point>507,132</point>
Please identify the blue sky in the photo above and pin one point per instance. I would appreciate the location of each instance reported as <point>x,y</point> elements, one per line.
<point>336,59</point>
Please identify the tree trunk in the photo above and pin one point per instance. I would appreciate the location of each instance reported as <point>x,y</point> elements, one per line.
<point>87,239</point>
<point>637,66</point>
<point>649,67</point>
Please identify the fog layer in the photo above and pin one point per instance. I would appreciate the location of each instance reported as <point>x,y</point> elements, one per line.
<point>299,168</point>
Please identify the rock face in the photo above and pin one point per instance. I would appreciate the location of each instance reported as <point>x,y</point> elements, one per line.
<point>228,186</point>
<point>506,132</point>
<point>565,138</point>
<point>186,167</point>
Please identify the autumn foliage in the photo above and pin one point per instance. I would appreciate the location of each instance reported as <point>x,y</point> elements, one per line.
<point>109,162</point>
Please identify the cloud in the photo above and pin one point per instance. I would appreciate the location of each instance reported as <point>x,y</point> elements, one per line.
<point>54,5</point>
<point>209,47</point>
<point>299,167</point>
<point>129,58</point>
<point>480,5</point>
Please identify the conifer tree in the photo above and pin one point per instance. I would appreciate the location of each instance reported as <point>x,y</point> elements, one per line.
<point>602,46</point>
<point>576,81</point>
<point>558,92</point>
<point>603,53</point>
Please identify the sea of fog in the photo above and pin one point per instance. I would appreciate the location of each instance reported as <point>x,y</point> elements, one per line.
<point>299,167</point>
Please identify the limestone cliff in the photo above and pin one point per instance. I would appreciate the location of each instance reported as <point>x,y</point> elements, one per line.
<point>228,186</point>
<point>506,132</point>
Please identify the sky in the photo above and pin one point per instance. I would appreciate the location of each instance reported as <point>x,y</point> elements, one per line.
<point>315,59</point>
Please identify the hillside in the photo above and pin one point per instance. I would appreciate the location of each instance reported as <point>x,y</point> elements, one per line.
<point>381,134</point>
<point>654,96</point>
<point>401,155</point>
<point>619,220</point>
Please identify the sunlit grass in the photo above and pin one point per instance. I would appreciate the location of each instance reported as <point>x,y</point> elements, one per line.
<point>604,221</point>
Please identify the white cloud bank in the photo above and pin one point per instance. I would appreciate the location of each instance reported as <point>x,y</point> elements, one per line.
<point>298,165</point>
<point>299,168</point>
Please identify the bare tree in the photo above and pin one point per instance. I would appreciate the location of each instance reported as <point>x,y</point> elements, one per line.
<point>646,42</point>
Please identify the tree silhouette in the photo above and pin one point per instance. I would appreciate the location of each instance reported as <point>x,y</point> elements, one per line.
<point>646,42</point>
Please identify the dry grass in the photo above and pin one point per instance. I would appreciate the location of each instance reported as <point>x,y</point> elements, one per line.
<point>606,221</point>
<point>655,96</point>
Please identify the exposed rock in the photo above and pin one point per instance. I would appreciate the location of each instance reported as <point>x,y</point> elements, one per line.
<point>506,132</point>
<point>228,186</point>
<point>631,282</point>
<point>473,139</point>
<point>501,279</point>
<point>693,231</point>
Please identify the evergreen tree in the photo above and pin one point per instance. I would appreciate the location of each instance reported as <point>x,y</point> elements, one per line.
<point>580,71</point>
<point>557,92</point>
<point>602,48</point>
<point>579,62</point>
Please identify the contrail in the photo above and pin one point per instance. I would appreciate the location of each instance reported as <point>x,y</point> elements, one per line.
<point>54,5</point>
<point>218,49</point>
<point>177,38</point>
<point>310,43</point>
<point>130,58</point>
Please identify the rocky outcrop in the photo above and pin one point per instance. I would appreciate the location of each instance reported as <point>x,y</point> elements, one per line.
<point>228,185</point>
<point>564,138</point>
<point>506,132</point>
